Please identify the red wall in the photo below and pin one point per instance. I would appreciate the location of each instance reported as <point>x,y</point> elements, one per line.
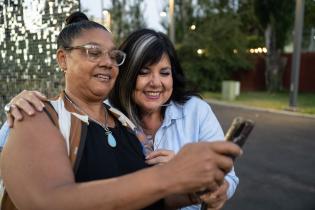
<point>255,79</point>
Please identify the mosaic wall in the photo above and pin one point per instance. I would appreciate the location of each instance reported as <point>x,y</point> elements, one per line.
<point>28,32</point>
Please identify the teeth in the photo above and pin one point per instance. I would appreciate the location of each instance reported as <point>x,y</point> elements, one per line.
<point>103,77</point>
<point>153,93</point>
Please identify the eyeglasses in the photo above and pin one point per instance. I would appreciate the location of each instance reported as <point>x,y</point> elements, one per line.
<point>94,53</point>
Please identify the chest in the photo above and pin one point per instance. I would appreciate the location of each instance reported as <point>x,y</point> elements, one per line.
<point>176,134</point>
<point>99,160</point>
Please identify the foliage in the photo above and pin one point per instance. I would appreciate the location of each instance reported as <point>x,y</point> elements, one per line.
<point>309,24</point>
<point>277,14</point>
<point>250,24</point>
<point>224,48</point>
<point>218,36</point>
<point>276,18</point>
<point>126,16</point>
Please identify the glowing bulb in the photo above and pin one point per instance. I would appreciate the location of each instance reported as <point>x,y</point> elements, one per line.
<point>264,50</point>
<point>200,51</point>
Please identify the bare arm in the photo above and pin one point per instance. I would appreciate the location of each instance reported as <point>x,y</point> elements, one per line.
<point>38,175</point>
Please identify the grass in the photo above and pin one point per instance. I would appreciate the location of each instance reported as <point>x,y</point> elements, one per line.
<point>277,101</point>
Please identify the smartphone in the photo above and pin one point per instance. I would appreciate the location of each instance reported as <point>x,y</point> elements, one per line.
<point>239,131</point>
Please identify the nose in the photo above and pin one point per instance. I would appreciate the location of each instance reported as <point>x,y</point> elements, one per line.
<point>155,80</point>
<point>106,61</point>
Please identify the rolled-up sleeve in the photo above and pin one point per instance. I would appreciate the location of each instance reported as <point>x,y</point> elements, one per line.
<point>210,130</point>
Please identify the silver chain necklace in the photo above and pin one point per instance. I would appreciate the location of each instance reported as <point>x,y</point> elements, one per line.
<point>110,138</point>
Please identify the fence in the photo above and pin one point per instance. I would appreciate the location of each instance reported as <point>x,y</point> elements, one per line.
<point>254,79</point>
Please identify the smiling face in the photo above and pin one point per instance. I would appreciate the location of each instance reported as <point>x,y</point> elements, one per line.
<point>154,86</point>
<point>85,77</point>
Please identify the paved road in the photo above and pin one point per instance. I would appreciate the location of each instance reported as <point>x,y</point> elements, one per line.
<point>277,170</point>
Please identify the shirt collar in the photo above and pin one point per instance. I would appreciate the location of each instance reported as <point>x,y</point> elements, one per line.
<point>173,112</point>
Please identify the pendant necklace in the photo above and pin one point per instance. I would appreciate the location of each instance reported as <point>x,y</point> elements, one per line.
<point>110,138</point>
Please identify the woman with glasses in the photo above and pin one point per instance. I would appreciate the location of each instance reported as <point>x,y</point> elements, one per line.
<point>82,154</point>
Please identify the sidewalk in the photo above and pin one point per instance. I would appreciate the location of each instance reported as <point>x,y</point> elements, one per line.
<point>231,104</point>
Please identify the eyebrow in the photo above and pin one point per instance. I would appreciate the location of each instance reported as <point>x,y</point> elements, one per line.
<point>164,68</point>
<point>97,44</point>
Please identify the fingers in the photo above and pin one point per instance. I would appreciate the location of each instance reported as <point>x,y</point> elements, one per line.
<point>29,101</point>
<point>223,153</point>
<point>222,190</point>
<point>40,95</point>
<point>226,148</point>
<point>15,114</point>
<point>157,160</point>
<point>160,152</point>
<point>24,105</point>
<point>214,202</point>
<point>219,177</point>
<point>159,157</point>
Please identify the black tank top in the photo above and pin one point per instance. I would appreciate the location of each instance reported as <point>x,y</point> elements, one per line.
<point>100,160</point>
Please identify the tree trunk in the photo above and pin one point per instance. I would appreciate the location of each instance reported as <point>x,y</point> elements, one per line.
<point>275,63</point>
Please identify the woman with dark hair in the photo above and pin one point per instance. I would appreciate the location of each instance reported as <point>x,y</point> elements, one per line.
<point>151,90</point>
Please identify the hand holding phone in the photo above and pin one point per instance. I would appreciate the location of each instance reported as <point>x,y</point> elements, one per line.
<point>237,133</point>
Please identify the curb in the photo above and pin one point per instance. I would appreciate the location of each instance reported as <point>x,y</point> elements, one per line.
<point>295,114</point>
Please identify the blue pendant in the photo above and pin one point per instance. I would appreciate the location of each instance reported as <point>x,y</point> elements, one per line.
<point>111,140</point>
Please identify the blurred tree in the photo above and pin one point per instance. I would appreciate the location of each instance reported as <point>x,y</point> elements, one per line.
<point>216,48</point>
<point>276,18</point>
<point>183,15</point>
<point>250,24</point>
<point>309,25</point>
<point>126,16</point>
<point>136,20</point>
<point>119,25</point>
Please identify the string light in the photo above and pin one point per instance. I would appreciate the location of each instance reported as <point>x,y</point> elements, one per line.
<point>258,50</point>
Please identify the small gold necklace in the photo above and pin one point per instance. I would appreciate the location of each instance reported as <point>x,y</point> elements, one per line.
<point>110,138</point>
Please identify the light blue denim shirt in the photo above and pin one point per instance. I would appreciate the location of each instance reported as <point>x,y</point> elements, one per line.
<point>4,133</point>
<point>191,122</point>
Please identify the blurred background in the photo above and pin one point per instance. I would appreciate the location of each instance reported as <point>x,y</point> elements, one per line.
<point>239,53</point>
<point>247,41</point>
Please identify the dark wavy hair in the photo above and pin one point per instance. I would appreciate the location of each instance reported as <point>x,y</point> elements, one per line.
<point>75,24</point>
<point>146,47</point>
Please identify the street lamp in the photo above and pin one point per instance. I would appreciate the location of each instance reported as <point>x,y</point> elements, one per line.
<point>295,68</point>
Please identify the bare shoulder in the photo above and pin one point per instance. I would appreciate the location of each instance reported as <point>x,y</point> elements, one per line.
<point>32,131</point>
<point>34,150</point>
